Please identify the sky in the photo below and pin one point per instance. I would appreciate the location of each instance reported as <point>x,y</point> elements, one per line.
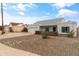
<point>29,13</point>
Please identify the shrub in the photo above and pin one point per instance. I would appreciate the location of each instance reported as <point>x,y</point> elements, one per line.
<point>11,30</point>
<point>45,35</point>
<point>37,32</point>
<point>71,34</point>
<point>25,29</point>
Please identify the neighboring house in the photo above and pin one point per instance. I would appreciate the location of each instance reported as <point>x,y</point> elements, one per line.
<point>58,25</point>
<point>18,27</point>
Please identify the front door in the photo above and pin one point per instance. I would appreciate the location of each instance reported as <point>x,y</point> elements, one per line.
<point>54,28</point>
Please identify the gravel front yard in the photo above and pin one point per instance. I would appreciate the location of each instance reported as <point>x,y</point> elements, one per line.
<point>53,46</point>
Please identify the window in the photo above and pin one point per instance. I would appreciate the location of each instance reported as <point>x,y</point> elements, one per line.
<point>65,29</point>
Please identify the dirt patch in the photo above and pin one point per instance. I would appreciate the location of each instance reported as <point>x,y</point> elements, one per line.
<point>53,46</point>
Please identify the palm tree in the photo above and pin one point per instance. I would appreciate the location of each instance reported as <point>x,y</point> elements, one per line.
<point>2,19</point>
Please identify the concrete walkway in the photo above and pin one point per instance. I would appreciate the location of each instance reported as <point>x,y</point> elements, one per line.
<point>8,51</point>
<point>11,35</point>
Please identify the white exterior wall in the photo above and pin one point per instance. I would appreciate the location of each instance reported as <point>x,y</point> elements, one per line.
<point>42,29</point>
<point>32,28</point>
<point>51,29</point>
<point>71,26</point>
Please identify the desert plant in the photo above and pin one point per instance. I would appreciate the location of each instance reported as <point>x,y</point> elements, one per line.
<point>37,32</point>
<point>44,34</point>
<point>71,34</point>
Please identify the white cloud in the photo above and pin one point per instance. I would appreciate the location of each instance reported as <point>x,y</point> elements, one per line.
<point>62,5</point>
<point>4,4</point>
<point>21,13</point>
<point>62,12</point>
<point>21,7</point>
<point>67,12</point>
<point>21,19</point>
<point>47,13</point>
<point>31,5</point>
<point>5,7</point>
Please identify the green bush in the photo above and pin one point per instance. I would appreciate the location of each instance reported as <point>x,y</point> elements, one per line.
<point>71,34</point>
<point>37,32</point>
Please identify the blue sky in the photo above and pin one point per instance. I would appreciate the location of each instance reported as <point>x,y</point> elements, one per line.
<point>29,13</point>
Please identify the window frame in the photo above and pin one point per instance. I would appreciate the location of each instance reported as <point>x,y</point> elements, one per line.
<point>65,29</point>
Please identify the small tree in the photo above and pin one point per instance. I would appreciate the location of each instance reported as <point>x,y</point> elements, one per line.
<point>71,34</point>
<point>38,32</point>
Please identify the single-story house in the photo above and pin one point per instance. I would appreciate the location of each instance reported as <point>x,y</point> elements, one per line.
<point>78,31</point>
<point>58,25</point>
<point>17,27</point>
